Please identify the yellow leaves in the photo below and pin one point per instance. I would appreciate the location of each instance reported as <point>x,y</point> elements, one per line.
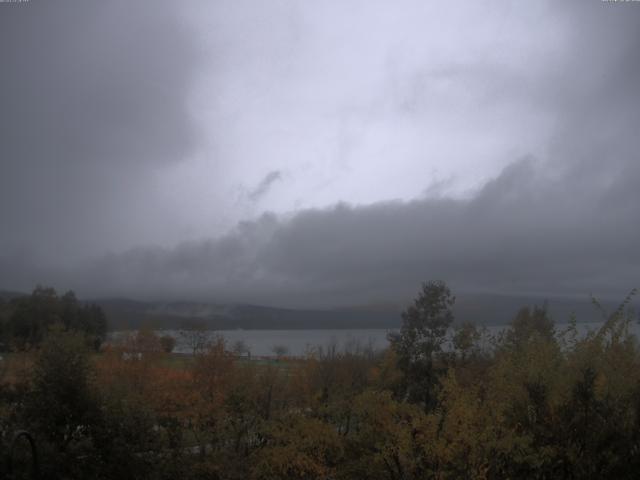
<point>166,391</point>
<point>213,369</point>
<point>297,447</point>
<point>16,367</point>
<point>285,462</point>
<point>382,440</point>
<point>461,433</point>
<point>537,361</point>
<point>613,353</point>
<point>387,375</point>
<point>171,393</point>
<point>530,406</point>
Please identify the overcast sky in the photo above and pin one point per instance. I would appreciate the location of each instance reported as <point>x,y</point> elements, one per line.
<point>319,153</point>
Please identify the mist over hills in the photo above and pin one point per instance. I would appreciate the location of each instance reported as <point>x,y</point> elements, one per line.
<point>482,309</point>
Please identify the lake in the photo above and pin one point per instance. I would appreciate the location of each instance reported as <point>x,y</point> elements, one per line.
<point>298,342</point>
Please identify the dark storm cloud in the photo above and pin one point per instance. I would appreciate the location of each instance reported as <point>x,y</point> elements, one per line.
<point>522,233</point>
<point>93,98</point>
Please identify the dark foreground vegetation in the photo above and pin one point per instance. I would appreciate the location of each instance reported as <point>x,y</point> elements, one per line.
<point>531,403</point>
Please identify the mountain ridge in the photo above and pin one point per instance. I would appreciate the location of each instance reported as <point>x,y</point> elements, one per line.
<point>483,309</point>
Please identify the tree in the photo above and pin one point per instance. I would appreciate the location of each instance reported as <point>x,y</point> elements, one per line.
<point>168,343</point>
<point>530,323</point>
<point>195,335</point>
<point>297,447</point>
<point>62,407</point>
<point>145,342</point>
<point>61,395</point>
<point>240,347</point>
<point>32,316</point>
<point>465,339</point>
<point>213,372</point>
<point>423,331</point>
<point>382,444</point>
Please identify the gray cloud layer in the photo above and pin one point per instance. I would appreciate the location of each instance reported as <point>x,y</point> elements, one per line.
<point>93,98</point>
<point>82,133</point>
<point>523,233</point>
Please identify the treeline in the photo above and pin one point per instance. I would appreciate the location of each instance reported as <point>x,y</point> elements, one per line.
<point>530,403</point>
<point>26,320</point>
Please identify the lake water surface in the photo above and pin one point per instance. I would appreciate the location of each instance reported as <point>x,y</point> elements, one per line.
<point>261,343</point>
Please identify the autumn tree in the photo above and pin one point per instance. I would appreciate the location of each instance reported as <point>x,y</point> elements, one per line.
<point>213,372</point>
<point>383,442</point>
<point>420,340</point>
<point>298,447</point>
<point>465,340</point>
<point>62,407</point>
<point>527,324</point>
